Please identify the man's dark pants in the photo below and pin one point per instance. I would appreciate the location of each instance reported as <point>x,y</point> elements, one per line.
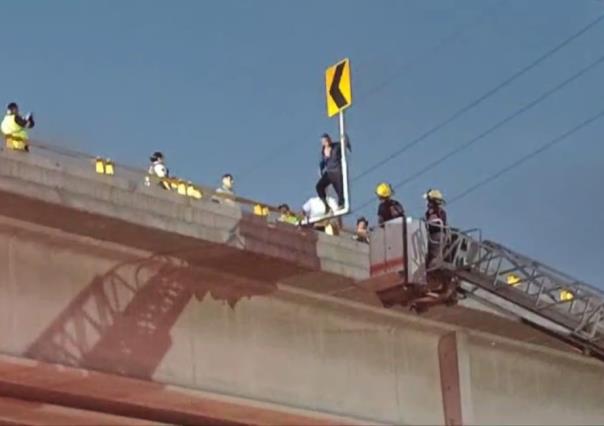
<point>333,178</point>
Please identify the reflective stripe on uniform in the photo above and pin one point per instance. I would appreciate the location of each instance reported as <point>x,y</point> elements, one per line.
<point>11,129</point>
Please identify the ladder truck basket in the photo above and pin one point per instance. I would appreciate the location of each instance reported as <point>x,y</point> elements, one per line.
<point>400,246</point>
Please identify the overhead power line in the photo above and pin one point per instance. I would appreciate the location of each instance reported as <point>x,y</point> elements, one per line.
<point>493,128</point>
<point>527,157</point>
<point>444,42</point>
<point>460,112</point>
<point>501,123</point>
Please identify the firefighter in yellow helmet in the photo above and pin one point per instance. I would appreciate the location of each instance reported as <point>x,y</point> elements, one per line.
<point>436,221</point>
<point>389,208</point>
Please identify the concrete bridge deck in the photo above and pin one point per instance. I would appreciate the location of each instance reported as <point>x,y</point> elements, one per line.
<point>108,275</point>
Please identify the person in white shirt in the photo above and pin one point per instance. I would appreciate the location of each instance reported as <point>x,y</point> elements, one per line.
<point>158,169</point>
<point>157,166</point>
<point>315,208</point>
<point>226,190</point>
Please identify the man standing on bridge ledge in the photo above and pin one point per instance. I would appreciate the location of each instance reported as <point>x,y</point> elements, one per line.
<point>330,169</point>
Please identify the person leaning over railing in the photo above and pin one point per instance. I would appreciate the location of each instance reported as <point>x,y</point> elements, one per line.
<point>362,231</point>
<point>287,216</point>
<point>14,128</point>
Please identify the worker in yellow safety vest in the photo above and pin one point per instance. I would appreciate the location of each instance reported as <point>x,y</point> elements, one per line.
<point>13,128</point>
<point>287,216</point>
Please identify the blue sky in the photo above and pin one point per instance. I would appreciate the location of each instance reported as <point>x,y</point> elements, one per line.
<point>237,86</point>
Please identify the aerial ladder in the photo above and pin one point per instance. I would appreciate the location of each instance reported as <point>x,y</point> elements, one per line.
<point>540,295</point>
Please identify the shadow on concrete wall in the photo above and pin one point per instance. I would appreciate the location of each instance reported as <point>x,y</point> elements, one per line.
<point>280,240</point>
<point>121,322</point>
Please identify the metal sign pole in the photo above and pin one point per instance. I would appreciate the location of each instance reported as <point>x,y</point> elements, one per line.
<point>339,97</point>
<point>345,182</point>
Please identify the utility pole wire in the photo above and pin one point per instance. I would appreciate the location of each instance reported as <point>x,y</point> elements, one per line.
<point>527,157</point>
<point>501,123</point>
<point>473,104</point>
<point>495,127</point>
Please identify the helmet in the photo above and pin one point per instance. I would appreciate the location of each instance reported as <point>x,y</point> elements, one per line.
<point>384,190</point>
<point>12,107</point>
<point>434,195</point>
<point>156,156</point>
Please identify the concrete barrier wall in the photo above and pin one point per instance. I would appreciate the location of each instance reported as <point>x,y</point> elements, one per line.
<point>518,384</point>
<point>92,304</point>
<point>89,303</point>
<point>70,185</point>
<point>296,352</point>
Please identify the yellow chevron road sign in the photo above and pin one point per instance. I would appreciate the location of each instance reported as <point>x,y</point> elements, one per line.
<point>337,87</point>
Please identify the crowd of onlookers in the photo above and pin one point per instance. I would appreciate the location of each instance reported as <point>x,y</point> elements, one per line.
<point>318,211</point>
<point>322,212</point>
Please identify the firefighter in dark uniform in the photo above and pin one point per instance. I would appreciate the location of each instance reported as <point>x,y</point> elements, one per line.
<point>389,208</point>
<point>442,286</point>
<point>436,221</point>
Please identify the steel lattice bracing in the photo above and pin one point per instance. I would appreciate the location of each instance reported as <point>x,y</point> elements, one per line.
<point>550,294</point>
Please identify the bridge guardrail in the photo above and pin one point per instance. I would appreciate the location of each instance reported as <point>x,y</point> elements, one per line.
<point>180,186</point>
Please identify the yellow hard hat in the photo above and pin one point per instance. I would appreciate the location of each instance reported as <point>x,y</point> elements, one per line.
<point>435,195</point>
<point>384,190</point>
